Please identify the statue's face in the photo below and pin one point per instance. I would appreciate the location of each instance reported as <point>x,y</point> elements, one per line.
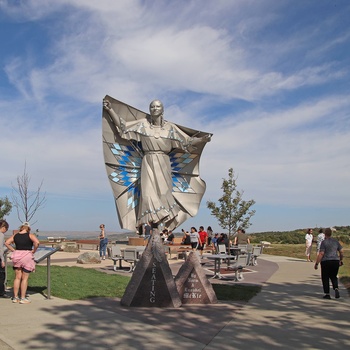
<point>156,108</point>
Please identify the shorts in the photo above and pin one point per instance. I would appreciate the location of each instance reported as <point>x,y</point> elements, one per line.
<point>23,269</point>
<point>194,245</point>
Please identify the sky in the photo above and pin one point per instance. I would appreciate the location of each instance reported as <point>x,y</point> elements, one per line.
<point>269,79</point>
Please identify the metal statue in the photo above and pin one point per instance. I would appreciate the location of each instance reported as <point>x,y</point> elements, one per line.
<point>152,165</point>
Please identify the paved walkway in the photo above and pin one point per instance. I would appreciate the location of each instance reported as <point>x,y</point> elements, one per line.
<point>289,313</point>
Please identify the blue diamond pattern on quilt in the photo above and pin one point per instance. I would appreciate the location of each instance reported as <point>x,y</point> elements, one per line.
<point>179,160</point>
<point>127,172</point>
<point>180,184</point>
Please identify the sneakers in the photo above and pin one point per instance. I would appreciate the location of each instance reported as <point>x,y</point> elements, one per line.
<point>25,301</point>
<point>337,293</point>
<point>15,299</point>
<point>327,296</point>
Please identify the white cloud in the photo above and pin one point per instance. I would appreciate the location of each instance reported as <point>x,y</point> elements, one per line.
<point>194,57</point>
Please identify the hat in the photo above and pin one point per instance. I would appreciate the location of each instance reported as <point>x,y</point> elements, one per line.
<point>26,224</point>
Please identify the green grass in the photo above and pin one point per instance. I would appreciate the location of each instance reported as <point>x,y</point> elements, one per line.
<point>292,250</point>
<point>74,283</point>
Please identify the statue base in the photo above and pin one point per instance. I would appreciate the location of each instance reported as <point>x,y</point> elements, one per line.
<point>152,283</point>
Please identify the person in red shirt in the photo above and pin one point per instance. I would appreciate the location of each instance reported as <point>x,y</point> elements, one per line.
<point>203,239</point>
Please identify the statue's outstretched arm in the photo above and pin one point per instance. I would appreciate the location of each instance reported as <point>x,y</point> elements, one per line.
<point>196,140</point>
<point>115,117</point>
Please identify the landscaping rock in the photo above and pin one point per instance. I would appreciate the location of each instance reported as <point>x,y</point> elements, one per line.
<point>70,247</point>
<point>89,258</point>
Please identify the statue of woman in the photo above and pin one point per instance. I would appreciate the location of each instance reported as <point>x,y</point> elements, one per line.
<point>152,165</point>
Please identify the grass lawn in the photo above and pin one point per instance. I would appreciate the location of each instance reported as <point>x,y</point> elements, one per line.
<point>75,283</point>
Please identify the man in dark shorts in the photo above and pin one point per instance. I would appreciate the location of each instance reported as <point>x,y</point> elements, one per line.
<point>203,240</point>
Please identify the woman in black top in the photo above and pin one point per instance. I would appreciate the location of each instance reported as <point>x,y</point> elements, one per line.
<point>23,260</point>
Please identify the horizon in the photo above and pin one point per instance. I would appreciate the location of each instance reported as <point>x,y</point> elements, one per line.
<point>84,234</point>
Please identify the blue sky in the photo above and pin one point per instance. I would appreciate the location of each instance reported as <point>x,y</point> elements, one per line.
<point>270,80</point>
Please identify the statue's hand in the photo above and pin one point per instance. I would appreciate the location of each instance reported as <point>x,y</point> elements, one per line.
<point>107,105</point>
<point>206,138</point>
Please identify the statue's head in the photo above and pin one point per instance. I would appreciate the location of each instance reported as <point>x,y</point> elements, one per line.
<point>156,109</point>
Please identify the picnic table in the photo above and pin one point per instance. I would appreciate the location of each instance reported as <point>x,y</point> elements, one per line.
<point>130,255</point>
<point>217,262</point>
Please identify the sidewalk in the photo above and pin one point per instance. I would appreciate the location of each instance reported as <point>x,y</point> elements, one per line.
<point>289,313</point>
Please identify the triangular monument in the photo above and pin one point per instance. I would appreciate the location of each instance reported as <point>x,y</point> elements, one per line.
<point>152,283</point>
<point>192,283</point>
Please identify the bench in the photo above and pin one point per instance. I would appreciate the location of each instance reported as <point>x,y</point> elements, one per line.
<point>131,256</point>
<point>253,256</point>
<point>177,249</point>
<point>71,244</point>
<point>238,267</point>
<point>137,241</point>
<point>116,256</point>
<point>177,240</point>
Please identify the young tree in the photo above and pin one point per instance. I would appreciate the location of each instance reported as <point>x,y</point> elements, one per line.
<point>232,212</point>
<point>5,207</point>
<point>27,202</point>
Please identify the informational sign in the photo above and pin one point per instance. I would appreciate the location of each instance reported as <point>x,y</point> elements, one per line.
<point>43,253</point>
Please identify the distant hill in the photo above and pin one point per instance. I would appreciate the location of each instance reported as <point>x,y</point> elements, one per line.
<point>293,237</point>
<point>342,233</point>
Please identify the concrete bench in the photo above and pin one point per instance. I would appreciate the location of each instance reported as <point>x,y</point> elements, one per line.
<point>131,256</point>
<point>116,256</point>
<point>238,267</point>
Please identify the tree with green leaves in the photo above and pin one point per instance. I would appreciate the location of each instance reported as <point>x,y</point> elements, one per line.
<point>232,212</point>
<point>5,207</point>
<point>27,202</point>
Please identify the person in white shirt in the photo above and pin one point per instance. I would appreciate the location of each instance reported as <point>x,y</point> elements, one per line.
<point>320,238</point>
<point>195,239</point>
<point>308,244</point>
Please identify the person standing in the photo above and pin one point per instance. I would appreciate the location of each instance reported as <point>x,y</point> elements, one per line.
<point>26,244</point>
<point>4,226</point>
<point>195,239</point>
<point>103,242</point>
<point>210,234</point>
<point>330,257</point>
<point>203,239</point>
<point>241,237</point>
<point>308,244</point>
<point>320,238</point>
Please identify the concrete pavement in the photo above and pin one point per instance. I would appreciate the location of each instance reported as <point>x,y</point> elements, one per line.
<point>288,313</point>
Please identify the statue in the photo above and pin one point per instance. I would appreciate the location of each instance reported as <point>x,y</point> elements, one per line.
<point>152,165</point>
